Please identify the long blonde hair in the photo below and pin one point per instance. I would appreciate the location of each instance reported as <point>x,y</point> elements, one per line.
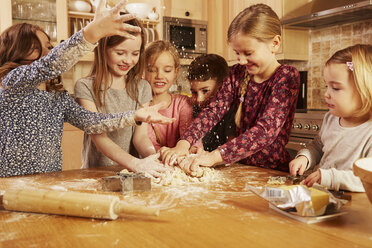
<point>100,69</point>
<point>359,60</point>
<point>258,21</point>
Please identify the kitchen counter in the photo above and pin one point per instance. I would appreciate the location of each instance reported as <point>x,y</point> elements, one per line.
<point>217,214</point>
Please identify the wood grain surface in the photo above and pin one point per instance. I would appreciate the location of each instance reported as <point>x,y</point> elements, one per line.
<point>217,214</point>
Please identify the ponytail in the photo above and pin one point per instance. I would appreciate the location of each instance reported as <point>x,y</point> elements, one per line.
<point>243,90</point>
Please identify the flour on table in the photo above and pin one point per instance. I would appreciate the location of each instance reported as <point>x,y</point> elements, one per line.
<point>179,177</point>
<point>276,180</point>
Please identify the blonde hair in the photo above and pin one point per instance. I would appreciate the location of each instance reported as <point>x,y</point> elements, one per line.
<point>155,48</point>
<point>360,70</point>
<point>100,69</point>
<point>258,21</point>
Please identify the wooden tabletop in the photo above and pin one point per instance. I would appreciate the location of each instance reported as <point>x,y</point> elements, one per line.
<point>218,214</point>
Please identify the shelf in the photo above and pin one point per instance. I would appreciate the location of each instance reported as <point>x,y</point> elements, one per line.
<point>86,15</point>
<point>20,20</point>
<point>83,15</point>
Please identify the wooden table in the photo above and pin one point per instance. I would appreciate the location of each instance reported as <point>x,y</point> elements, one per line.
<point>219,214</point>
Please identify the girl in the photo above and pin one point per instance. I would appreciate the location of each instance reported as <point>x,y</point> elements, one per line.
<point>206,74</point>
<point>31,120</point>
<point>113,86</point>
<point>162,65</point>
<point>263,92</point>
<point>346,133</point>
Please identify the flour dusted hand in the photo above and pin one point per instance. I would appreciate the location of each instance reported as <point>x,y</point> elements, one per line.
<point>150,165</point>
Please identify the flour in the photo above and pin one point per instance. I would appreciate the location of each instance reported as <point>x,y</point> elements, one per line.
<point>179,177</point>
<point>77,184</point>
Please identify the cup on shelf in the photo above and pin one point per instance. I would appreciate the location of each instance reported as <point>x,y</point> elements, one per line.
<point>28,11</point>
<point>18,12</point>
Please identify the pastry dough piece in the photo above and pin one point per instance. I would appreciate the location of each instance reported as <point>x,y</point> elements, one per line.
<point>179,177</point>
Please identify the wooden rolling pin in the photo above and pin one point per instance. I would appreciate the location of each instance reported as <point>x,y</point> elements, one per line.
<point>71,203</point>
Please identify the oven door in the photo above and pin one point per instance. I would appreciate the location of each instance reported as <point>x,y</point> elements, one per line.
<point>295,144</point>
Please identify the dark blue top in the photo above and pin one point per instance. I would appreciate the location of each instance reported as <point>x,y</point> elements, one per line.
<point>31,120</point>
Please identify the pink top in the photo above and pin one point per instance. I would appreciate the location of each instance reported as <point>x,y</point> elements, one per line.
<point>181,109</point>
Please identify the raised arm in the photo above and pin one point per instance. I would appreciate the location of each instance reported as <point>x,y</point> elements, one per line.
<point>106,22</point>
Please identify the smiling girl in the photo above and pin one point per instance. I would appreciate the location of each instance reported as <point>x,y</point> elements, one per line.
<point>162,65</point>
<point>114,85</point>
<point>346,133</point>
<point>263,91</point>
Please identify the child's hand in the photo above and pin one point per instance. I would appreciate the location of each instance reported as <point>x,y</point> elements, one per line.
<point>192,162</point>
<point>298,165</point>
<point>170,155</point>
<point>150,165</point>
<point>315,177</point>
<point>108,22</point>
<point>150,114</point>
<point>197,150</point>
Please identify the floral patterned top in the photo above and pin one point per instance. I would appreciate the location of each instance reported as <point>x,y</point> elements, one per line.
<point>31,120</point>
<point>267,115</point>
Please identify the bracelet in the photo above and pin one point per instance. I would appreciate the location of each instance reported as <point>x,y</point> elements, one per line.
<point>138,123</point>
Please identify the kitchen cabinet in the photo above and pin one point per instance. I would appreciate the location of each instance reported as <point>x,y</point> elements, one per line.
<point>190,9</point>
<point>295,42</point>
<point>72,144</point>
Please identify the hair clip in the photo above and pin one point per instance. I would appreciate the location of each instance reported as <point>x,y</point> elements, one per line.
<point>350,65</point>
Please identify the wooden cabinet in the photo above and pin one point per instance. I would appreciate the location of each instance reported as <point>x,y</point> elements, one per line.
<point>295,43</point>
<point>72,144</point>
<point>191,9</point>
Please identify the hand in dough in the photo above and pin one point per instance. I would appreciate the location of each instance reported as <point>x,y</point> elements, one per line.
<point>191,164</point>
<point>151,165</point>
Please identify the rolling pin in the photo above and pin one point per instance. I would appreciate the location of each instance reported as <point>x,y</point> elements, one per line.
<point>71,203</point>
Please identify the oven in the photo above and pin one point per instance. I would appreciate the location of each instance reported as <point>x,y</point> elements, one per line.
<point>301,106</point>
<point>187,35</point>
<point>304,129</point>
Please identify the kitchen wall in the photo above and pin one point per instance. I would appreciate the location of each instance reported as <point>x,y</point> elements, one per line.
<point>323,43</point>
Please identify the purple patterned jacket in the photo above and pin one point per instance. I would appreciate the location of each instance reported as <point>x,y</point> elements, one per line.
<point>267,116</point>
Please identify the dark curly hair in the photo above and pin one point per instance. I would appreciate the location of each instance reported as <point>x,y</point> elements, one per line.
<point>208,66</point>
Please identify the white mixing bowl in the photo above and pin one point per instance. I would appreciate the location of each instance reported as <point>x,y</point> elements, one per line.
<point>142,10</point>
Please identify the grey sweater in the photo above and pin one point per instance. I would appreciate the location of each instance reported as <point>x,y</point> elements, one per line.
<point>335,150</point>
<point>116,101</point>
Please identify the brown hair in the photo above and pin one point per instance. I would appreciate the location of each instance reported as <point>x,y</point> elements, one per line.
<point>258,21</point>
<point>360,70</point>
<point>100,69</point>
<point>208,66</point>
<point>16,43</point>
<point>155,48</point>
